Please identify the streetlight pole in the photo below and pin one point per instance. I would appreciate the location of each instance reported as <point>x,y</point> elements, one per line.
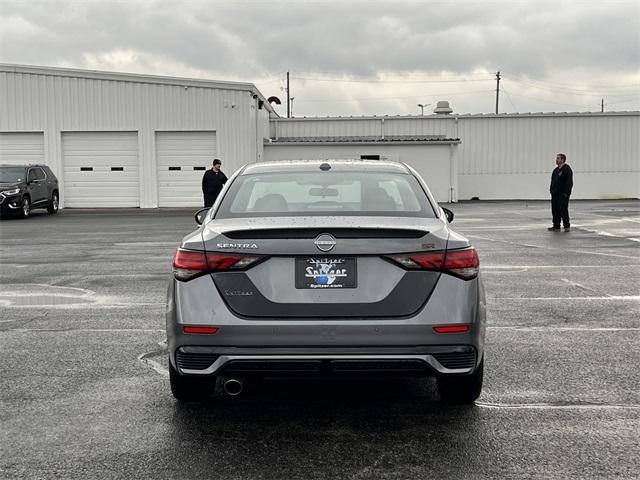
<point>422,105</point>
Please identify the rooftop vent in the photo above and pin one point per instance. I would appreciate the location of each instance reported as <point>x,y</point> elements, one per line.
<point>443,108</point>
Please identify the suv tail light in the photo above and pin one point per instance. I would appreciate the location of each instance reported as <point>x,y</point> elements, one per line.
<point>460,263</point>
<point>188,264</point>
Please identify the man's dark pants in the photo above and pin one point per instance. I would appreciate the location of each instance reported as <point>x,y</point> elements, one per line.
<point>560,209</point>
<point>209,200</point>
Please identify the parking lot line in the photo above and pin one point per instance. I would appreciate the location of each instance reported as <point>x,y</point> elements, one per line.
<point>557,406</point>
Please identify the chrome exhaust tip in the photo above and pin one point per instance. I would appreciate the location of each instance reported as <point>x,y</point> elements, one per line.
<point>233,387</point>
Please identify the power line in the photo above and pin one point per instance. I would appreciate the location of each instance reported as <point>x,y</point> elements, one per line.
<point>388,81</point>
<point>509,98</point>
<point>567,91</point>
<point>618,103</point>
<point>269,82</point>
<point>316,74</point>
<point>549,101</point>
<point>382,98</point>
<point>550,82</point>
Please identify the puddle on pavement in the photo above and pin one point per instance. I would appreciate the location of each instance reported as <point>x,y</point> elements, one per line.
<point>29,300</point>
<point>29,294</point>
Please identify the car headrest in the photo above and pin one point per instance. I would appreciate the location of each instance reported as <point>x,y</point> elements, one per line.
<point>377,199</point>
<point>272,202</point>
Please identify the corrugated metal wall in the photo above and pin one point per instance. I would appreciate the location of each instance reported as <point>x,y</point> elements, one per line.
<point>362,127</point>
<point>54,101</point>
<point>515,145</point>
<point>511,156</point>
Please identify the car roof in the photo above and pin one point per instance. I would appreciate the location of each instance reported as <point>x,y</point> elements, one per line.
<point>341,165</point>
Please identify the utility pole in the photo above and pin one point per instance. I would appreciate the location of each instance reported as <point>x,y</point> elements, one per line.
<point>497,90</point>
<point>602,105</point>
<point>288,98</point>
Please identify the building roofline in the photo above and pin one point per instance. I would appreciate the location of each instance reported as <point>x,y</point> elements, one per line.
<point>630,113</point>
<point>355,141</point>
<point>135,78</point>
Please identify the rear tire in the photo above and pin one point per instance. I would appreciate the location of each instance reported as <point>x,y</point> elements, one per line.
<point>189,389</point>
<point>461,390</point>
<point>25,208</point>
<point>53,203</point>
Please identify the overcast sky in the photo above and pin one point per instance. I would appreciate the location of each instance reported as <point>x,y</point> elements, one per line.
<point>352,57</point>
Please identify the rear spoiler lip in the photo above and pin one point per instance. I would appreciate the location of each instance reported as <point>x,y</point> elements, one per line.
<point>313,232</point>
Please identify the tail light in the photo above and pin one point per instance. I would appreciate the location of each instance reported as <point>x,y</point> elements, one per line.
<point>188,264</point>
<point>460,263</point>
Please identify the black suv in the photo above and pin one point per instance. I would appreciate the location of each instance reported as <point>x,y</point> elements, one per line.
<point>25,187</point>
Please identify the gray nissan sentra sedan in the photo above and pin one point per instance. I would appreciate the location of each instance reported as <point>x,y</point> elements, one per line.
<point>325,268</point>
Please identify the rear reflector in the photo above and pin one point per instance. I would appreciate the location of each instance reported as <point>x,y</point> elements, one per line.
<point>451,329</point>
<point>200,330</point>
<point>188,264</point>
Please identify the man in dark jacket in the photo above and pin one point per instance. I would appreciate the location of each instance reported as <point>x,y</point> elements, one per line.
<point>561,185</point>
<point>212,182</point>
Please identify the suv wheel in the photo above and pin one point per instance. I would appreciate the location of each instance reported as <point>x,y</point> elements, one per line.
<point>53,203</point>
<point>25,209</point>
<point>461,390</point>
<point>189,389</point>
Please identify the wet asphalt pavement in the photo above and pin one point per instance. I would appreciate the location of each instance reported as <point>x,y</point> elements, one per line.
<point>84,391</point>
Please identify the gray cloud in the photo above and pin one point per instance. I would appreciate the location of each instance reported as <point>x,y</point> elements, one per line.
<point>572,45</point>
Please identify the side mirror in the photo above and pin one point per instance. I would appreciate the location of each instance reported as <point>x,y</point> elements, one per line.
<point>448,213</point>
<point>200,215</point>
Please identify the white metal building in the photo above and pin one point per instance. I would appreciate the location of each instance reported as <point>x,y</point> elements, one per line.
<point>506,156</point>
<point>123,140</point>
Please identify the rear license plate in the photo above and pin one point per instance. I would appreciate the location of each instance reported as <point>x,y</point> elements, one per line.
<point>326,272</point>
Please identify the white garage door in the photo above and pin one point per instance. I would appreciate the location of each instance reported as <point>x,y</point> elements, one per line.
<point>21,147</point>
<point>101,169</point>
<point>183,158</point>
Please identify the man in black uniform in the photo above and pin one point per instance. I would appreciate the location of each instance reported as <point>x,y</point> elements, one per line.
<point>212,182</point>
<point>561,185</point>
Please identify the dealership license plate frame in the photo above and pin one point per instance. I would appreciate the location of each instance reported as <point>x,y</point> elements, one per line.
<point>335,264</point>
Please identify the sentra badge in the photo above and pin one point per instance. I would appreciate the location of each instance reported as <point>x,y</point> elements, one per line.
<point>237,245</point>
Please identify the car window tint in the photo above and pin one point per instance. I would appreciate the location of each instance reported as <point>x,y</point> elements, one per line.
<point>325,193</point>
<point>11,174</point>
<point>32,175</point>
<point>39,174</point>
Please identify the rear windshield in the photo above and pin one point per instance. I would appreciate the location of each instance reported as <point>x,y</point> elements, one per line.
<point>11,174</point>
<point>325,193</point>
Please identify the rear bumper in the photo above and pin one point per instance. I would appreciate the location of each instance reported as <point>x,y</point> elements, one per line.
<point>417,361</point>
<point>326,346</point>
